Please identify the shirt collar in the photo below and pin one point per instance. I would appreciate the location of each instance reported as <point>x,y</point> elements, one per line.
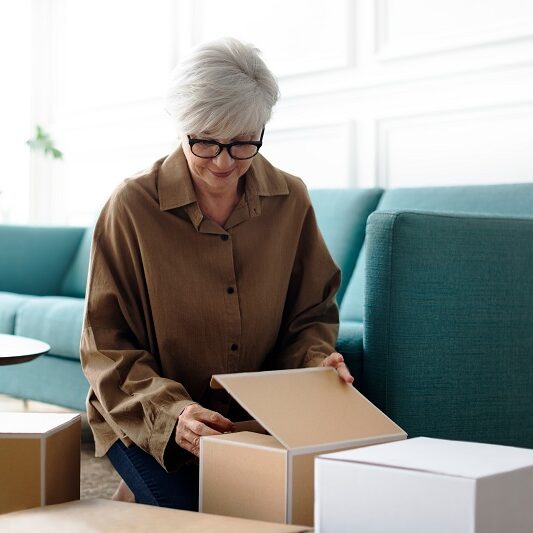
<point>176,188</point>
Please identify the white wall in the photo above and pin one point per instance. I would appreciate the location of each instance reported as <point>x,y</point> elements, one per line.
<point>15,35</point>
<point>374,92</point>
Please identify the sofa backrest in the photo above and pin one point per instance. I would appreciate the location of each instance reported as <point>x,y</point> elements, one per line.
<point>34,259</point>
<point>341,215</point>
<point>506,199</point>
<point>449,324</point>
<point>75,280</point>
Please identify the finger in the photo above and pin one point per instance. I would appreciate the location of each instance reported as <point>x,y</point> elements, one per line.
<point>190,440</point>
<point>194,449</point>
<point>334,359</point>
<point>200,429</point>
<point>344,373</point>
<point>337,357</point>
<point>215,420</point>
<point>187,440</point>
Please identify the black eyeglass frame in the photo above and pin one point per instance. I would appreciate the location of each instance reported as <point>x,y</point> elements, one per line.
<point>228,146</point>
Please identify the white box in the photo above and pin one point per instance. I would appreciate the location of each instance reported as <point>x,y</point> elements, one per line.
<point>425,484</point>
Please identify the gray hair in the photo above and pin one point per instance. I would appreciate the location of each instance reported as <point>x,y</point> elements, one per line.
<point>224,88</point>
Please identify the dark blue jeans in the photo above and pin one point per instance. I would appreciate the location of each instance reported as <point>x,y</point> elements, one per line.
<point>149,481</point>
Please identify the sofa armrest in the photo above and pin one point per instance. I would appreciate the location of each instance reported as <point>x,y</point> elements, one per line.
<point>34,259</point>
<point>449,324</point>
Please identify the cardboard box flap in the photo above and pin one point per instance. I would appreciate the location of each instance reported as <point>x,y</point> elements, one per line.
<point>308,407</point>
<point>35,423</point>
<point>471,460</point>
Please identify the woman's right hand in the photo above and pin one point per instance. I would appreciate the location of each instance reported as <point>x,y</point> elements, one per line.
<point>196,421</point>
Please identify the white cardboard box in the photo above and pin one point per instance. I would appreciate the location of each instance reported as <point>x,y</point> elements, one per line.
<point>425,484</point>
<point>306,412</point>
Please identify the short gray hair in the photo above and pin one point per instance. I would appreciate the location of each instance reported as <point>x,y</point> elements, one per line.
<point>224,88</point>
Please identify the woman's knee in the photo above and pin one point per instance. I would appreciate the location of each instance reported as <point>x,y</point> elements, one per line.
<point>149,481</point>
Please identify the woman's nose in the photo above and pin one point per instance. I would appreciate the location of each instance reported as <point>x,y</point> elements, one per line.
<point>223,160</point>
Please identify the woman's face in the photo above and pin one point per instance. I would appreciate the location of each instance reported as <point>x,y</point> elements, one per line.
<point>221,173</point>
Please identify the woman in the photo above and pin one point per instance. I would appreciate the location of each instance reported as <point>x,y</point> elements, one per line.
<point>208,262</point>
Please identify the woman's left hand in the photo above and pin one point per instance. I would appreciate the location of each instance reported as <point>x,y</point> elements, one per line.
<point>336,360</point>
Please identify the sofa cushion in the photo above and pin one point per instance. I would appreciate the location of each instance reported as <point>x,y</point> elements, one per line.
<point>34,259</point>
<point>75,280</point>
<point>56,320</point>
<point>507,199</point>
<point>49,379</point>
<point>9,305</point>
<point>350,345</point>
<point>341,215</point>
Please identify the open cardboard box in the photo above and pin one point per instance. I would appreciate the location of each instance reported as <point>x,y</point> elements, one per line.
<point>306,412</point>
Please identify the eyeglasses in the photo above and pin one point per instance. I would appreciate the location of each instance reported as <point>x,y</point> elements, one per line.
<point>207,149</point>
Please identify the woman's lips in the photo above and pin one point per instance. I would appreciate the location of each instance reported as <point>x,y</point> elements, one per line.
<point>221,174</point>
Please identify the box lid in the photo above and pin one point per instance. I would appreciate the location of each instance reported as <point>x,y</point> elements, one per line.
<point>309,407</point>
<point>453,458</point>
<point>34,424</point>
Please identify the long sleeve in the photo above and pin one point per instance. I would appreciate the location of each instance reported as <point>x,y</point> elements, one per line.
<point>311,317</point>
<point>119,352</point>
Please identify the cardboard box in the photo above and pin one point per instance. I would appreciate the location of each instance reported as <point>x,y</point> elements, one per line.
<point>426,484</point>
<point>270,476</point>
<point>97,516</point>
<point>39,459</point>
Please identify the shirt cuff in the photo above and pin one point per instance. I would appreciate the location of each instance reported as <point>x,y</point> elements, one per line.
<point>163,431</point>
<point>313,360</point>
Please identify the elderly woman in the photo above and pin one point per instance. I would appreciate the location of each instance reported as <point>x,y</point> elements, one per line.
<point>208,262</point>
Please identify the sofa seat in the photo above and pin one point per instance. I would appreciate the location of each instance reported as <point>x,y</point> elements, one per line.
<point>10,303</point>
<point>350,345</point>
<point>49,379</point>
<point>56,320</point>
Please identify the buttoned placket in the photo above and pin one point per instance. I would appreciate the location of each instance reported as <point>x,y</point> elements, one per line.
<point>248,207</point>
<point>232,308</point>
<point>232,348</point>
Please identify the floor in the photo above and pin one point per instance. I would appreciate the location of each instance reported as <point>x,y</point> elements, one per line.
<point>98,478</point>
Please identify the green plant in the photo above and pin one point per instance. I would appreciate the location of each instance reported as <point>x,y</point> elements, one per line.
<point>42,142</point>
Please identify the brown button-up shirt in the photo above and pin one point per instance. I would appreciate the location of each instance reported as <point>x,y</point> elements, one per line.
<point>173,298</point>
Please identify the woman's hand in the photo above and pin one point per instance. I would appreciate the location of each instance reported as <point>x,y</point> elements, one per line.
<point>336,360</point>
<point>196,421</point>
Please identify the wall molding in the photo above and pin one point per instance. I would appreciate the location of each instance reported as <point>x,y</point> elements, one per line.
<point>386,125</point>
<point>450,42</point>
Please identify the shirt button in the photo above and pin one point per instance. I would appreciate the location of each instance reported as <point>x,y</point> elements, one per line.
<point>224,237</point>
<point>234,347</point>
<point>231,290</point>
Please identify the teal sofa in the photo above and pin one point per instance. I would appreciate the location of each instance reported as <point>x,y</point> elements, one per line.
<point>43,272</point>
<point>439,277</point>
